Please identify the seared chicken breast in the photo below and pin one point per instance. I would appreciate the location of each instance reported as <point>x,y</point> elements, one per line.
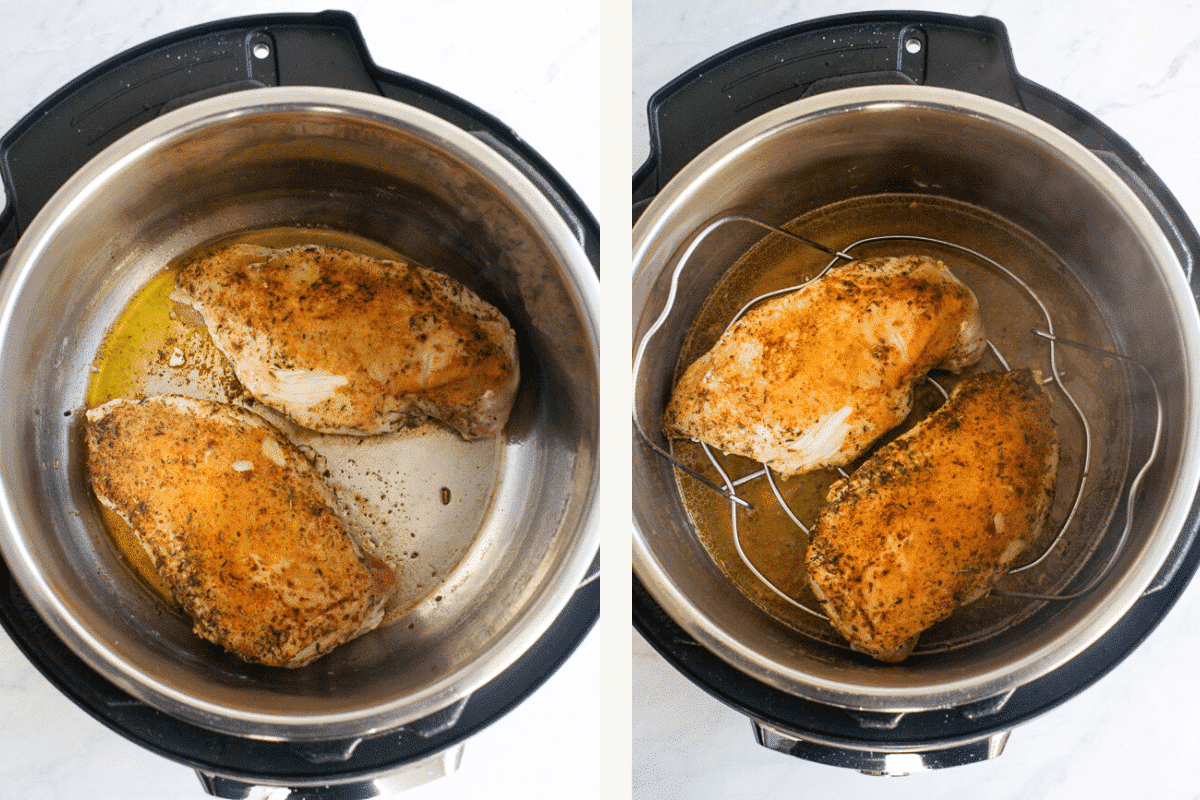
<point>812,378</point>
<point>344,343</point>
<point>239,524</point>
<point>931,520</point>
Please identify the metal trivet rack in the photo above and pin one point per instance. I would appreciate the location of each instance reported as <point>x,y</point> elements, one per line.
<point>728,487</point>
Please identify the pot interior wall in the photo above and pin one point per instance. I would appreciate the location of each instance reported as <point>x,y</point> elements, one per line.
<point>798,166</point>
<point>308,165</point>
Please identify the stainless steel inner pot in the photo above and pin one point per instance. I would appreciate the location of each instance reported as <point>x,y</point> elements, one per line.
<point>332,160</point>
<point>891,140</point>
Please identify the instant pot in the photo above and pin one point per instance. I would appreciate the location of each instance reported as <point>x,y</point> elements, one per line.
<point>283,120</point>
<point>925,117</point>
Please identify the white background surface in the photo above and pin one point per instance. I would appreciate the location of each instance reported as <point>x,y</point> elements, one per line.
<point>534,66</point>
<point>1133,734</point>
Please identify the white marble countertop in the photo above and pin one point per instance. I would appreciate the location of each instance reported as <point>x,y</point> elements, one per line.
<point>1132,734</point>
<point>534,66</point>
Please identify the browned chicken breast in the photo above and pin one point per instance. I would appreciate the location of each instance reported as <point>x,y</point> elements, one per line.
<point>240,525</point>
<point>812,378</point>
<point>344,343</point>
<point>932,519</point>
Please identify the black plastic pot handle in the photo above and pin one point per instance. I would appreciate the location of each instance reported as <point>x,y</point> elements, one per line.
<point>971,54</point>
<point>327,49</point>
<point>43,150</point>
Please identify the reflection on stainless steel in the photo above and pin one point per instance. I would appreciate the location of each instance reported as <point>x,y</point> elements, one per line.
<point>957,168</point>
<point>382,171</point>
<point>878,758</point>
<point>401,779</point>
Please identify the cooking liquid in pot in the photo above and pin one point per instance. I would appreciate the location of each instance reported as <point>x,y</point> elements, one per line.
<point>393,488</point>
<point>776,546</point>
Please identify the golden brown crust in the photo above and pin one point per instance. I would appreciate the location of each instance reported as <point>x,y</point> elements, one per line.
<point>240,525</point>
<point>812,378</point>
<point>345,343</point>
<point>932,519</point>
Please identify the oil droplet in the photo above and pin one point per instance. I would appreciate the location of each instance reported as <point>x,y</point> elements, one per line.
<point>131,548</point>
